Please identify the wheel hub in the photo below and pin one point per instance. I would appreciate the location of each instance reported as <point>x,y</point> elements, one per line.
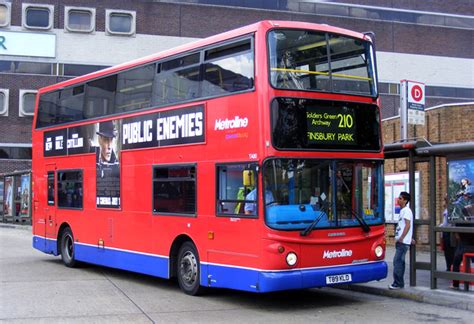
<point>188,268</point>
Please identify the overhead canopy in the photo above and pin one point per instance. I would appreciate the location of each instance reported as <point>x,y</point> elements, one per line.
<point>424,148</point>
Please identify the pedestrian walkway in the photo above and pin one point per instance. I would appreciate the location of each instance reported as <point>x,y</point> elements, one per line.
<point>442,296</point>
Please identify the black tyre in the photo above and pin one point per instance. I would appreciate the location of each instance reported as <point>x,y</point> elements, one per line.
<point>67,249</point>
<point>188,270</point>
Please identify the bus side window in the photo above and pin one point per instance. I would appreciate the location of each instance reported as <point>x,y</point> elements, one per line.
<point>134,89</point>
<point>51,189</point>
<point>70,189</point>
<point>228,68</point>
<point>100,95</point>
<point>174,189</point>
<point>235,183</point>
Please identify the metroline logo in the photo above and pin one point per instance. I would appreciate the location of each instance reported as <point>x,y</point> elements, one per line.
<point>237,122</point>
<point>337,254</point>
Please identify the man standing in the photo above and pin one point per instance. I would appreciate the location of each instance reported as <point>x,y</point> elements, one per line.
<point>403,238</point>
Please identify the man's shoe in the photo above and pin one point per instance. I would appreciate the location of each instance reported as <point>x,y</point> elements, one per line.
<point>393,287</point>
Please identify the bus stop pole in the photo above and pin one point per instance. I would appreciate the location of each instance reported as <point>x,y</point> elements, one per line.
<point>432,213</point>
<point>411,176</point>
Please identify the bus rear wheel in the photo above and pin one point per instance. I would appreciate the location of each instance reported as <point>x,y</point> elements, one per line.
<point>67,249</point>
<point>188,269</point>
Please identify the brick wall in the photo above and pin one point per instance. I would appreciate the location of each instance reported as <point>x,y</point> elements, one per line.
<point>448,124</point>
<point>9,166</point>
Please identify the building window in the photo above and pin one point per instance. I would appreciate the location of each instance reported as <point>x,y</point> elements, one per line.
<point>81,20</point>
<point>27,102</point>
<point>5,14</point>
<point>80,69</point>
<point>69,189</point>
<point>174,189</point>
<point>7,66</point>
<point>37,16</point>
<point>15,152</point>
<point>236,189</point>
<point>120,22</point>
<point>4,102</point>
<point>394,88</point>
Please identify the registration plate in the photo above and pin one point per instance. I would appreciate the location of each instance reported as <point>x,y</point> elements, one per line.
<point>331,280</point>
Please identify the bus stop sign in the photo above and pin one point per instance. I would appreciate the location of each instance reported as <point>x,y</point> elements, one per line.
<point>412,104</point>
<point>416,103</point>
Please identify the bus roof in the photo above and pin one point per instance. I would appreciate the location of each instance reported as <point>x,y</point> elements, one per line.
<point>249,29</point>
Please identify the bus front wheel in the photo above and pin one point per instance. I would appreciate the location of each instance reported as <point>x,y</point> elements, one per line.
<point>67,248</point>
<point>188,269</point>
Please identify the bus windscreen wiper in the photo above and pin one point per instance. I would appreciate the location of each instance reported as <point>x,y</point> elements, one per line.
<point>361,221</point>
<point>311,226</point>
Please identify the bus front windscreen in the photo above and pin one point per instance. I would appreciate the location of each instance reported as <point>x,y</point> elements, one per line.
<point>319,61</point>
<point>304,194</point>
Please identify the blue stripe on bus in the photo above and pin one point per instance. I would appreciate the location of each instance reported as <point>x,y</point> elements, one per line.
<point>220,276</point>
<point>45,245</point>
<point>153,265</point>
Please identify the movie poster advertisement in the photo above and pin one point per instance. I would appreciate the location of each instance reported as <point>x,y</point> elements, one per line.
<point>107,152</point>
<point>25,195</point>
<point>461,190</point>
<point>8,207</point>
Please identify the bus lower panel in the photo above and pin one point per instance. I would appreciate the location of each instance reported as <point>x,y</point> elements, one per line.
<point>45,245</point>
<point>314,278</point>
<point>220,276</point>
<point>153,265</point>
<point>267,281</point>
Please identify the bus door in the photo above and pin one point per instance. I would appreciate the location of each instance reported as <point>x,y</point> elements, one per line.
<point>50,207</point>
<point>236,227</point>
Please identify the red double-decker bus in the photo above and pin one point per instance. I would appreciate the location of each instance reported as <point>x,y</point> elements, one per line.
<point>249,160</point>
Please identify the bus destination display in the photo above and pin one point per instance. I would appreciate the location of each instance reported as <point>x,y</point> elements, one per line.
<point>331,125</point>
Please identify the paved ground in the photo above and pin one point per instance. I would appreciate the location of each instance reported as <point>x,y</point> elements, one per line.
<point>422,293</point>
<point>37,288</point>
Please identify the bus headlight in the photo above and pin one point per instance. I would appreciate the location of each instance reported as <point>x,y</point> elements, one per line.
<point>379,251</point>
<point>291,259</point>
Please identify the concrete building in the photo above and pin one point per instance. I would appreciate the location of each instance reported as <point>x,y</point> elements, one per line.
<point>46,41</point>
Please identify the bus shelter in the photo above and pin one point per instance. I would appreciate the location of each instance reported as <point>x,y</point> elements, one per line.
<point>459,158</point>
<point>15,197</point>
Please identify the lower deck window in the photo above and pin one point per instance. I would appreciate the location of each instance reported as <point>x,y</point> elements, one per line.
<point>237,190</point>
<point>70,189</point>
<point>174,189</point>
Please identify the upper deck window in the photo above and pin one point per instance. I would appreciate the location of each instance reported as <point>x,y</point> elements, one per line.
<point>228,68</point>
<point>318,61</point>
<point>216,70</point>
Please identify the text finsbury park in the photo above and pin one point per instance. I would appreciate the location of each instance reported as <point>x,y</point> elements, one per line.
<point>333,127</point>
